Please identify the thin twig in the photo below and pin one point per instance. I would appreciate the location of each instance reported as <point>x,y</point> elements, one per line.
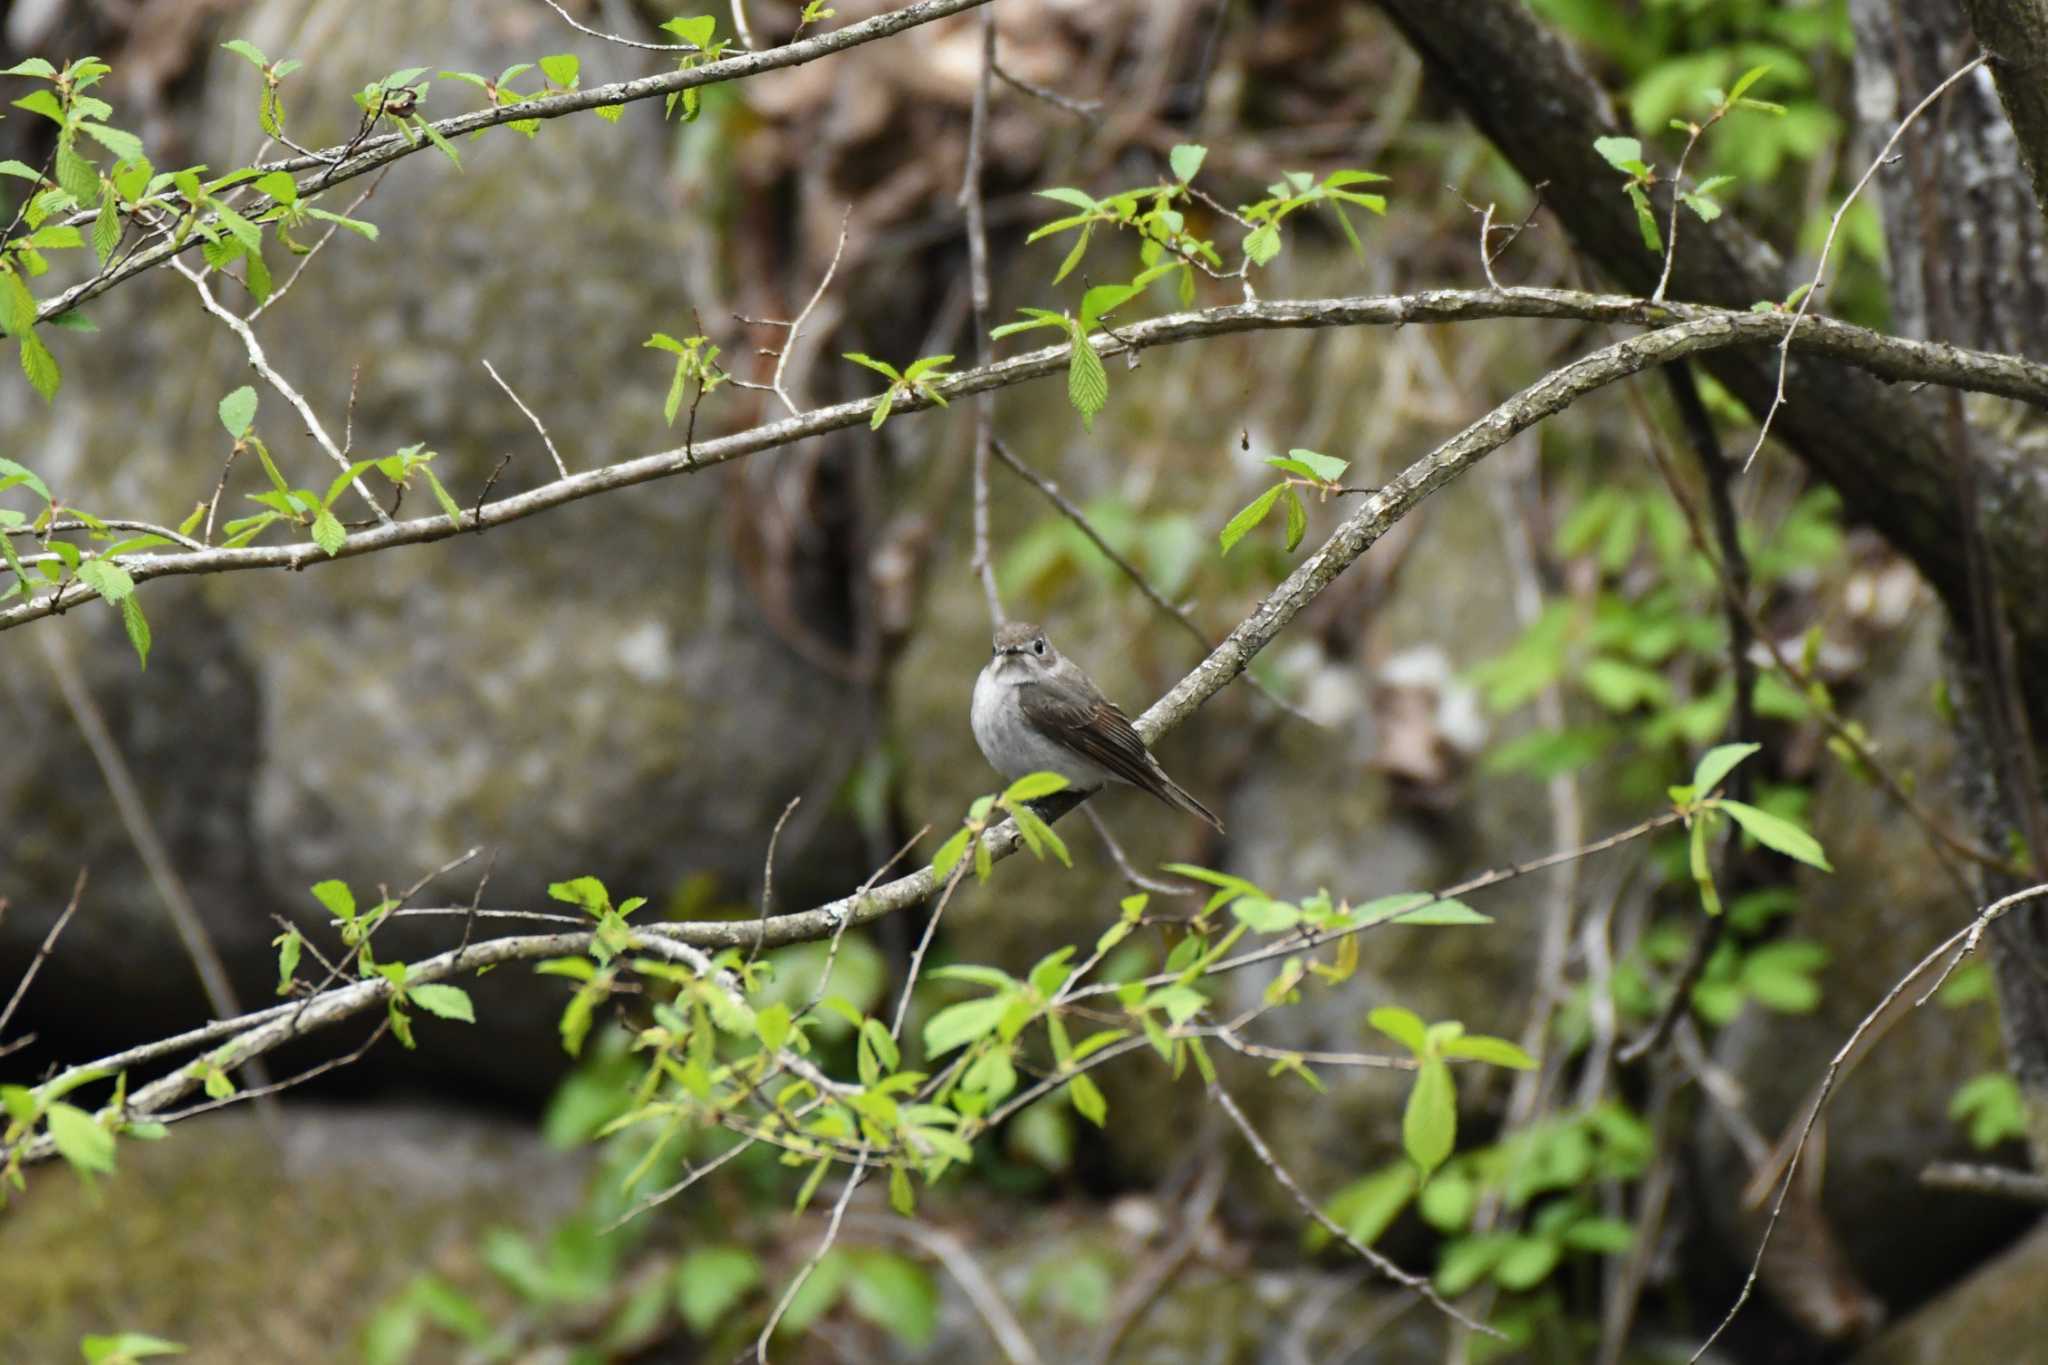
<point>1834,225</point>
<point>538,425</point>
<point>1143,1288</point>
<point>952,1253</point>
<point>587,31</point>
<point>858,1174</point>
<point>768,870</point>
<point>1378,1261</point>
<point>977,267</point>
<point>140,826</point>
<point>1130,871</point>
<point>1962,943</point>
<point>49,942</point>
<point>1089,111</point>
<point>261,364</point>
<point>796,327</point>
<point>924,944</point>
<point>277,294</point>
<point>1052,494</point>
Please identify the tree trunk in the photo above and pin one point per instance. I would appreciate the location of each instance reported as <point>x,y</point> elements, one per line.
<point>2015,34</point>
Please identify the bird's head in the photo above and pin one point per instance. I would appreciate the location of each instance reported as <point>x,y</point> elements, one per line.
<point>1021,649</point>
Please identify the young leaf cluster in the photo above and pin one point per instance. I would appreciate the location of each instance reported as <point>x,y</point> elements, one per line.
<point>1303,469</point>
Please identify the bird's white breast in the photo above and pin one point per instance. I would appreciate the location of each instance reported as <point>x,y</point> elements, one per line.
<point>1013,746</point>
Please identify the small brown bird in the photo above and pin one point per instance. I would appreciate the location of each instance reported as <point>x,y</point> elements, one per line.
<point>1036,711</point>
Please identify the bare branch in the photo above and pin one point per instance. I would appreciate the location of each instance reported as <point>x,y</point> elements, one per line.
<point>1684,329</point>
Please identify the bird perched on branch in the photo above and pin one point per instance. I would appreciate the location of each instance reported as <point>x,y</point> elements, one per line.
<point>1036,711</point>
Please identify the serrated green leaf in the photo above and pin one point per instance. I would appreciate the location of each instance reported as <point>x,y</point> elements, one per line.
<point>328,533</point>
<point>1262,244</point>
<point>1087,382</point>
<point>40,366</point>
<point>1186,160</point>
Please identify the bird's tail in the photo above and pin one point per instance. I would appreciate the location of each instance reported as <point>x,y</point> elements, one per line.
<point>1174,794</point>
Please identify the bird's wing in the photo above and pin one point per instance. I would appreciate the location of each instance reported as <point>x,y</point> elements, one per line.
<point>1092,727</point>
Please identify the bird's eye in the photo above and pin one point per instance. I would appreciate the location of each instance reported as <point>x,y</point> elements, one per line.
<point>1038,647</point>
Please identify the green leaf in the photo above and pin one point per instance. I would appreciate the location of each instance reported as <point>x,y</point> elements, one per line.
<point>42,102</point>
<point>696,30</point>
<point>12,474</point>
<point>1646,221</point>
<point>710,1282</point>
<point>448,507</point>
<point>1746,80</point>
<point>1404,1026</point>
<point>123,1348</point>
<point>1032,787</point>
<point>446,1002</point>
<point>1262,244</point>
<point>328,533</point>
<point>1036,833</point>
<point>80,1140</point>
<point>950,853</point>
<point>1526,1263</point>
<point>238,411</point>
<point>1088,1100</point>
<point>355,225</point>
<point>35,67</point>
<point>123,144</point>
<point>106,578</point>
<point>248,51</point>
<point>40,366</point>
<point>561,69</point>
<point>1443,912</point>
<point>957,1025</point>
<point>106,229</point>
<point>1498,1051</point>
<point>1087,382</point>
<point>897,1294</point>
<point>1186,160</point>
<point>1266,916</point>
<point>1777,833</point>
<point>1701,865</point>
<point>1429,1124</point>
<point>1297,519</point>
<point>1622,153</point>
<point>137,626</point>
<point>1315,465</point>
<point>335,895</point>
<point>1716,763</point>
<point>1250,516</point>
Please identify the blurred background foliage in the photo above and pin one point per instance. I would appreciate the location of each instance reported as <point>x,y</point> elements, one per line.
<point>641,683</point>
